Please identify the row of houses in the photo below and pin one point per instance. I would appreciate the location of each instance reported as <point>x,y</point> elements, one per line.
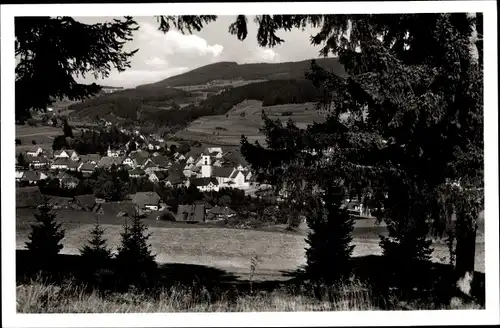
<point>142,203</point>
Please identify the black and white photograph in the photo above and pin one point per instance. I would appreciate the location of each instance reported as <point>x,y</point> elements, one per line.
<point>266,160</point>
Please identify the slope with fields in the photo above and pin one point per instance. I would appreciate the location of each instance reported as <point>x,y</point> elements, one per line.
<point>208,90</point>
<point>246,118</point>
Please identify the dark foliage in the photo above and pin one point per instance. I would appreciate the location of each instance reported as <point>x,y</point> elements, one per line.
<point>52,51</point>
<point>135,263</point>
<point>96,255</point>
<point>44,242</point>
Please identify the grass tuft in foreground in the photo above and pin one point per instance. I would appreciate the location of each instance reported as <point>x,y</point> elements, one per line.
<point>40,297</point>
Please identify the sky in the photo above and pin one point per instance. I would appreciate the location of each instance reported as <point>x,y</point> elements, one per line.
<point>163,55</point>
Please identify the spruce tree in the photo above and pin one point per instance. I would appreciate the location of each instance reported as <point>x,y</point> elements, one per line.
<point>96,253</point>
<point>45,239</point>
<point>330,249</point>
<point>135,262</point>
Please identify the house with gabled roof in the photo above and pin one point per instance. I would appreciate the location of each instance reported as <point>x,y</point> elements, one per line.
<point>136,173</point>
<point>66,180</point>
<point>85,203</point>
<point>60,163</point>
<point>162,162</point>
<point>107,162</point>
<point>176,179</point>
<point>38,162</point>
<point>193,155</point>
<point>32,177</point>
<point>129,161</point>
<point>150,167</point>
<point>220,213</point>
<point>239,180</point>
<point>90,158</point>
<point>156,176</point>
<point>67,153</point>
<point>205,184</point>
<point>223,174</point>
<point>148,201</point>
<point>141,161</point>
<point>73,165</point>
<point>87,168</point>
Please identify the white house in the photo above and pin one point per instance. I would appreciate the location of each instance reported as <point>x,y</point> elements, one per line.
<point>238,178</point>
<point>63,153</point>
<point>217,150</point>
<point>35,151</point>
<point>113,152</point>
<point>129,162</point>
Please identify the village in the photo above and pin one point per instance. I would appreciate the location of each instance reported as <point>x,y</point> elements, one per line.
<point>209,169</point>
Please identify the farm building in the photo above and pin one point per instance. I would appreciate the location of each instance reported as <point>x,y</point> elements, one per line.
<point>90,158</point>
<point>85,203</point>
<point>32,177</point>
<point>29,197</point>
<point>190,213</point>
<point>38,161</point>
<point>220,213</point>
<point>60,163</point>
<point>87,168</point>
<point>176,179</point>
<point>149,200</point>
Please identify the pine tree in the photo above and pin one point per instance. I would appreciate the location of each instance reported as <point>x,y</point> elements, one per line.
<point>95,253</point>
<point>45,239</point>
<point>135,263</point>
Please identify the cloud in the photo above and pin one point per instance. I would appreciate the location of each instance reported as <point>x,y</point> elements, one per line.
<point>263,55</point>
<point>174,42</point>
<point>156,62</point>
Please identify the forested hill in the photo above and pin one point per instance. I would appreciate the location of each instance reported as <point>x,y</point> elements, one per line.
<point>261,71</point>
<point>166,104</point>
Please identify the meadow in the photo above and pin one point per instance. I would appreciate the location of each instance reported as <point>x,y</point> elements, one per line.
<point>228,129</point>
<point>220,247</point>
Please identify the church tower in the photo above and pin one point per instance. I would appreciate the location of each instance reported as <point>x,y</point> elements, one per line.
<point>206,166</point>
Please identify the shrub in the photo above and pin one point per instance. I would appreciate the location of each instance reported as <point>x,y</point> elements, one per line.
<point>33,142</point>
<point>18,142</point>
<point>287,113</point>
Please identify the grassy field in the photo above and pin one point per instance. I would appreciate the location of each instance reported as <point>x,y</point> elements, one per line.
<point>41,134</point>
<point>229,129</point>
<point>220,247</point>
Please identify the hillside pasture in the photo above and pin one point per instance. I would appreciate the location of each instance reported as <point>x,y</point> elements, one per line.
<point>228,130</point>
<point>43,136</point>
